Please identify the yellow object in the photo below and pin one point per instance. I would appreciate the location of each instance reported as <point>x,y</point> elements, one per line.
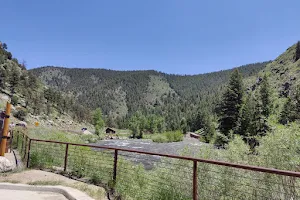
<point>5,130</point>
<point>36,124</point>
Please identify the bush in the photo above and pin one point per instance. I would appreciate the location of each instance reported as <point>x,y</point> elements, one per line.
<point>220,140</point>
<point>168,137</point>
<point>21,114</point>
<point>14,100</point>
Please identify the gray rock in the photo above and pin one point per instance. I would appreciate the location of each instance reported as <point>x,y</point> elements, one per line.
<point>5,164</point>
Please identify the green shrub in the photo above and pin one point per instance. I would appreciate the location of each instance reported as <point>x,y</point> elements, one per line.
<point>160,138</point>
<point>170,136</point>
<point>14,100</point>
<point>20,114</point>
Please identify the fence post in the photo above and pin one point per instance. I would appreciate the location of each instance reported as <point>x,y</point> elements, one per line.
<point>195,185</point>
<point>28,153</point>
<point>18,141</point>
<point>22,144</point>
<point>66,157</point>
<point>25,148</point>
<point>115,166</point>
<point>3,140</point>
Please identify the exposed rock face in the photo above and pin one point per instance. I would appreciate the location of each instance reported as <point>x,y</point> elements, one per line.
<point>5,165</point>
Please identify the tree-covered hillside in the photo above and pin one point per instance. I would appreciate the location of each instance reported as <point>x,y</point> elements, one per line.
<point>253,112</point>
<point>122,93</point>
<point>29,95</point>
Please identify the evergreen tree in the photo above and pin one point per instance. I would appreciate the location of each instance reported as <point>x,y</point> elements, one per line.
<point>288,112</point>
<point>297,103</point>
<point>202,121</point>
<point>231,104</point>
<point>3,77</point>
<point>265,96</point>
<point>297,54</point>
<point>208,128</point>
<point>183,125</point>
<point>98,121</point>
<point>258,125</point>
<point>245,118</point>
<point>14,79</point>
<point>4,46</point>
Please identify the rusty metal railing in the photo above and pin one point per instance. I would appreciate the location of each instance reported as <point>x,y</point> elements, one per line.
<point>66,149</point>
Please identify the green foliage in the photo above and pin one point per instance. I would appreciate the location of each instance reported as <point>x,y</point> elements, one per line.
<point>291,109</point>
<point>139,124</point>
<point>3,77</point>
<point>170,136</point>
<point>98,121</point>
<point>21,114</point>
<point>221,140</point>
<point>121,94</point>
<point>14,100</point>
<point>265,96</point>
<point>14,79</point>
<point>231,104</point>
<point>184,126</point>
<point>297,53</point>
<point>278,149</point>
<point>202,120</point>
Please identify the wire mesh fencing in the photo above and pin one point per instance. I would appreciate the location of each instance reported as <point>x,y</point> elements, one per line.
<point>142,175</point>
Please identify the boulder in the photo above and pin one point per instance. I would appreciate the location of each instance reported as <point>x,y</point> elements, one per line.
<point>5,165</point>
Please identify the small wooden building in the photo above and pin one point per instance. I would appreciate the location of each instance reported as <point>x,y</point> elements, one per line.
<point>110,131</point>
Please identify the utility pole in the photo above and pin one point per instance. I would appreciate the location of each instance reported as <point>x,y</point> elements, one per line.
<point>5,130</point>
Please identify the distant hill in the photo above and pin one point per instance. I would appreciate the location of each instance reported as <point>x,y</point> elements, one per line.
<point>120,93</point>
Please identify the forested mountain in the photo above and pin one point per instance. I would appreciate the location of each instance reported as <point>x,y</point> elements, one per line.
<point>218,105</point>
<point>122,93</point>
<point>127,91</point>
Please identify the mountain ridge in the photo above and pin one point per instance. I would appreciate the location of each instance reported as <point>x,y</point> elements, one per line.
<point>121,93</point>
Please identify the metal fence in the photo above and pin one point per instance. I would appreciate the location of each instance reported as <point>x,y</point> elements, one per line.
<point>134,174</point>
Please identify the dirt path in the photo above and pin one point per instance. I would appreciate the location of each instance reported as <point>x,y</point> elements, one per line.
<point>37,177</point>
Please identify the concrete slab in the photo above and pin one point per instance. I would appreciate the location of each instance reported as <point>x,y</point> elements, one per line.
<point>38,177</point>
<point>30,195</point>
<point>42,192</point>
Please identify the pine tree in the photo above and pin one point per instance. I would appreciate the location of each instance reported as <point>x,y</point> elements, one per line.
<point>4,46</point>
<point>3,77</point>
<point>245,118</point>
<point>297,54</point>
<point>297,103</point>
<point>265,96</point>
<point>288,112</point>
<point>14,79</point>
<point>183,125</point>
<point>231,104</point>
<point>258,125</point>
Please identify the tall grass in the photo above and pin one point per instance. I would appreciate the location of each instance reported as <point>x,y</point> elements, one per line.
<point>169,136</point>
<point>172,179</point>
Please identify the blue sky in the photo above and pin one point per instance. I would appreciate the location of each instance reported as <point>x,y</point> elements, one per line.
<point>173,36</point>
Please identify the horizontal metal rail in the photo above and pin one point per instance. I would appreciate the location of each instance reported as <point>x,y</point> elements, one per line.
<point>215,162</point>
